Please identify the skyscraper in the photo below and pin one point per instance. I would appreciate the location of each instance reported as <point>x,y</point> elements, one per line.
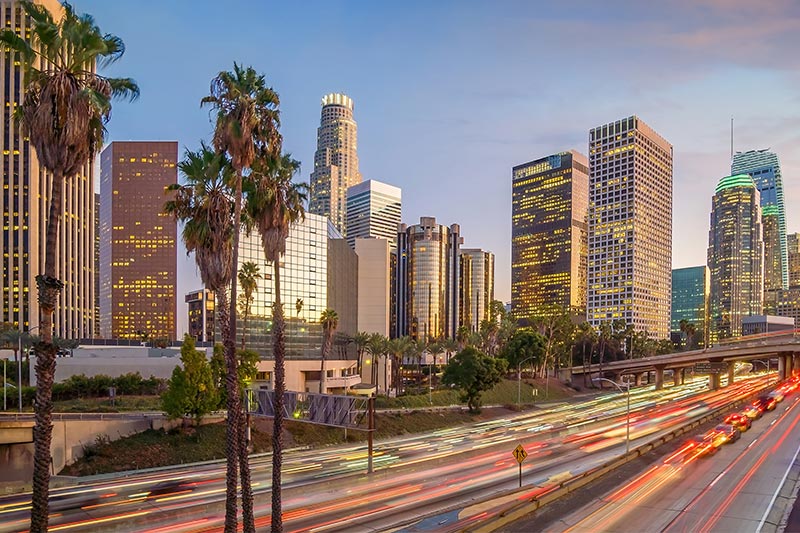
<point>691,288</point>
<point>24,203</point>
<point>548,234</point>
<point>735,255</point>
<point>138,261</point>
<point>427,280</point>
<point>335,161</point>
<point>374,285</point>
<point>373,210</point>
<point>201,306</point>
<point>630,226</point>
<point>476,286</point>
<point>765,169</point>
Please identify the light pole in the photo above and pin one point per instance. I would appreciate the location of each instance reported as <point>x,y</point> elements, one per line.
<point>19,367</point>
<point>519,379</point>
<point>628,411</point>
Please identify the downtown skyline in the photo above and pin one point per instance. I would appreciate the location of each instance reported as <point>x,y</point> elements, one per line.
<point>429,96</point>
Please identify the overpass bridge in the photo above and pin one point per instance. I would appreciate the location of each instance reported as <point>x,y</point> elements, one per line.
<point>784,345</point>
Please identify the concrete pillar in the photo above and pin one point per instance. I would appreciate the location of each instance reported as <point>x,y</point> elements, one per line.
<point>781,366</point>
<point>796,363</point>
<point>676,376</point>
<point>713,381</point>
<point>789,365</point>
<point>659,377</point>
<point>730,372</point>
<point>683,375</point>
<point>639,379</point>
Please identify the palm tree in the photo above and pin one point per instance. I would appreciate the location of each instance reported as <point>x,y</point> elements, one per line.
<point>12,339</point>
<point>246,123</point>
<point>248,279</point>
<point>274,204</point>
<point>205,206</point>
<point>397,348</point>
<point>377,347</point>
<point>329,320</point>
<point>361,340</point>
<point>64,111</point>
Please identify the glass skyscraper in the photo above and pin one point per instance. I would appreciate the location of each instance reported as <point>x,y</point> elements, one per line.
<point>690,294</point>
<point>476,286</point>
<point>373,210</point>
<point>765,169</point>
<point>735,256</point>
<point>548,234</point>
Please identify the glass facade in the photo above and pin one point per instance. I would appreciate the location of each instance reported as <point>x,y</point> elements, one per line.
<point>476,287</point>
<point>735,256</point>
<point>690,295</point>
<point>201,306</point>
<point>548,243</point>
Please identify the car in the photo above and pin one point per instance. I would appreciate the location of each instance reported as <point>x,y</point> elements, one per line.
<point>777,394</point>
<point>726,433</point>
<point>739,420</point>
<point>752,412</point>
<point>765,403</point>
<point>700,446</point>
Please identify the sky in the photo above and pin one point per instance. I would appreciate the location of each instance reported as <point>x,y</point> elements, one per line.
<point>450,95</point>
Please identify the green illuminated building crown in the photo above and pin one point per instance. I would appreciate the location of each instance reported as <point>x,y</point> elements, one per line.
<point>738,180</point>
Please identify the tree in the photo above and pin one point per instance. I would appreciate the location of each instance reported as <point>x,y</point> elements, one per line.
<point>360,340</point>
<point>11,339</point>
<point>555,325</point>
<point>248,280</point>
<point>586,335</point>
<point>525,344</point>
<point>473,373</point>
<point>377,346</point>
<point>64,111</point>
<point>329,320</point>
<point>191,391</point>
<point>396,349</point>
<point>205,205</point>
<point>274,203</point>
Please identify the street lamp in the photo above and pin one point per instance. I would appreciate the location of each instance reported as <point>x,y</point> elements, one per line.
<point>19,366</point>
<point>519,379</point>
<point>628,415</point>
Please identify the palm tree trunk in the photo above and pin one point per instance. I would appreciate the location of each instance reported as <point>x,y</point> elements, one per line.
<point>279,351</point>
<point>244,328</point>
<point>231,433</point>
<point>322,364</point>
<point>49,288</point>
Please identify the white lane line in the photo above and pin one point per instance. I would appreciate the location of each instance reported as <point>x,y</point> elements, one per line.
<point>780,487</point>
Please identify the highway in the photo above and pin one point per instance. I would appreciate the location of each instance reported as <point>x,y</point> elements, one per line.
<point>438,475</point>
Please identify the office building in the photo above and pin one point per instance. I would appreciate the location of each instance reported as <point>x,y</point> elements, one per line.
<point>374,285</point>
<point>476,286</point>
<point>548,234</point>
<point>630,227</point>
<point>201,306</point>
<point>793,247</point>
<point>756,324</point>
<point>24,204</point>
<point>786,302</point>
<point>138,261</point>
<point>373,210</point>
<point>96,332</point>
<point>735,255</point>
<point>691,288</point>
<point>765,169</point>
<point>335,161</point>
<point>427,280</point>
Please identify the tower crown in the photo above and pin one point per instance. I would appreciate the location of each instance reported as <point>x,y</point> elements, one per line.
<point>738,180</point>
<point>337,99</point>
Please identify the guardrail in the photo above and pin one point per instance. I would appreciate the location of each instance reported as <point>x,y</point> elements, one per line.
<point>19,417</point>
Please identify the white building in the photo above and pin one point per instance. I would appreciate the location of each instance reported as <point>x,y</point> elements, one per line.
<point>373,210</point>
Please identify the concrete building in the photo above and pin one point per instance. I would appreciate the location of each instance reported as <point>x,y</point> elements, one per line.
<point>374,285</point>
<point>691,288</point>
<point>765,169</point>
<point>335,161</point>
<point>201,306</point>
<point>138,261</point>
<point>427,280</point>
<point>476,286</point>
<point>755,324</point>
<point>786,302</point>
<point>373,210</point>
<point>735,256</point>
<point>630,227</point>
<point>24,203</point>
<point>549,205</point>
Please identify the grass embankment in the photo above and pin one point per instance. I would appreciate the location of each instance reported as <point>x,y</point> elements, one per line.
<point>159,448</point>
<point>105,405</point>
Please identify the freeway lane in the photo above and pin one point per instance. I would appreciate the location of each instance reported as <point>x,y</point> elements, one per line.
<point>733,490</point>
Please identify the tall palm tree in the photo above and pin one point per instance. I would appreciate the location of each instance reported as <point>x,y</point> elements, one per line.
<point>329,320</point>
<point>376,347</point>
<point>246,122</point>
<point>274,204</point>
<point>205,205</point>
<point>361,340</point>
<point>65,108</point>
<point>249,275</point>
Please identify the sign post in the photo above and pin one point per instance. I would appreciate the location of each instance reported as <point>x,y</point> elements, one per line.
<point>520,454</point>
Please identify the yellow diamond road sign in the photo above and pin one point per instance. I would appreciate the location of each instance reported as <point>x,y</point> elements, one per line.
<point>519,453</point>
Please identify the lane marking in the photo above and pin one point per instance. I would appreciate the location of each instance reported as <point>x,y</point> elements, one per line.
<point>775,496</point>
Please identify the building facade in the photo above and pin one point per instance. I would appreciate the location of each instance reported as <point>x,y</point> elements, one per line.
<point>373,210</point>
<point>476,287</point>
<point>787,301</point>
<point>735,256</point>
<point>765,169</point>
<point>374,285</point>
<point>691,287</point>
<point>427,280</point>
<point>335,161</point>
<point>201,305</point>
<point>138,254</point>
<point>550,199</point>
<point>24,203</point>
<point>630,227</point>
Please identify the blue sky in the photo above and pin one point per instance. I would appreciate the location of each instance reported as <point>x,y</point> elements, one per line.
<point>450,95</point>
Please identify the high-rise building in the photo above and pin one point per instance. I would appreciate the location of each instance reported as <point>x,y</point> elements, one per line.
<point>138,254</point>
<point>427,280</point>
<point>374,285</point>
<point>201,306</point>
<point>786,302</point>
<point>735,255</point>
<point>690,293</point>
<point>373,210</point>
<point>335,161</point>
<point>476,286</point>
<point>765,169</point>
<point>793,247</point>
<point>548,234</point>
<point>96,332</point>
<point>630,226</point>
